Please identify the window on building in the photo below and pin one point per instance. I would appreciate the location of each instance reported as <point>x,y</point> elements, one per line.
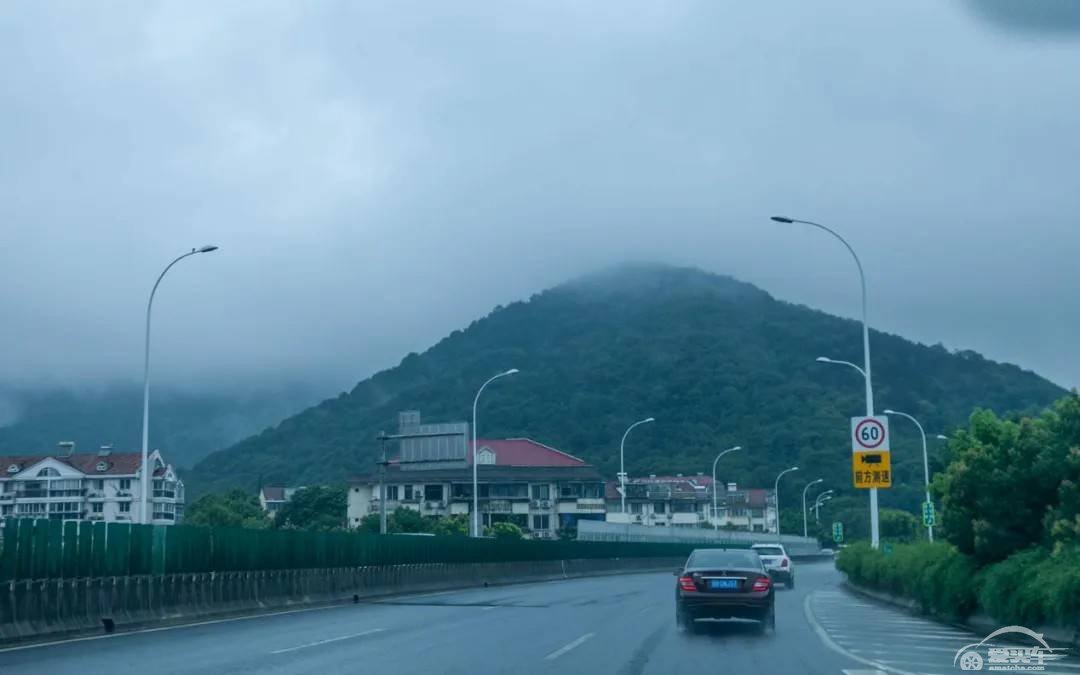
<point>409,493</point>
<point>433,493</point>
<point>125,507</point>
<point>48,472</point>
<point>635,507</point>
<point>99,484</point>
<point>683,507</point>
<point>485,455</point>
<point>592,490</point>
<point>97,507</point>
<point>659,507</point>
<point>125,483</point>
<point>392,493</point>
<point>569,490</point>
<point>541,491</point>
<point>541,522</point>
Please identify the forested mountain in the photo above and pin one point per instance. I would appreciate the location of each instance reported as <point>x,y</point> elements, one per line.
<point>718,362</point>
<point>186,425</point>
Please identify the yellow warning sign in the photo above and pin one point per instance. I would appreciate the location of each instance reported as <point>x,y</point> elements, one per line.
<point>871,469</point>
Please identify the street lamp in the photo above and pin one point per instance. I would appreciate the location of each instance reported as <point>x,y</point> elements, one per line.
<point>737,447</point>
<point>818,501</point>
<point>475,482</point>
<point>825,359</point>
<point>804,524</point>
<point>622,465</point>
<point>776,492</point>
<point>147,475</point>
<point>874,538</point>
<point>925,462</point>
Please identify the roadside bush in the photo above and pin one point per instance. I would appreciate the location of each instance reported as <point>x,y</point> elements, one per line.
<point>937,576</point>
<point>1034,587</point>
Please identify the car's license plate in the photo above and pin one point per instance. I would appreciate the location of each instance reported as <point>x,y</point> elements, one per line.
<point>723,584</point>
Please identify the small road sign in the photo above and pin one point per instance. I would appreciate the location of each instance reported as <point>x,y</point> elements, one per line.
<point>871,469</point>
<point>871,464</point>
<point>838,532</point>
<point>928,514</point>
<point>869,433</point>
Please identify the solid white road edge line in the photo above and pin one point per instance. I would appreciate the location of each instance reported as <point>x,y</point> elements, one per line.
<point>323,642</point>
<point>562,650</point>
<point>828,642</point>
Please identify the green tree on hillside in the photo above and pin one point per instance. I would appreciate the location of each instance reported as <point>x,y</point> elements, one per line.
<point>315,508</point>
<point>235,508</point>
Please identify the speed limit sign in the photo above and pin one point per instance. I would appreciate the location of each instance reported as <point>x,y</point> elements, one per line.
<point>869,433</point>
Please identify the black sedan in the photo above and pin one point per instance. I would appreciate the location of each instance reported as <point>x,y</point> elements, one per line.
<point>724,584</point>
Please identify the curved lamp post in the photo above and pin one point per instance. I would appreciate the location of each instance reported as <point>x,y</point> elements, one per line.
<point>874,538</point>
<point>622,465</point>
<point>737,447</point>
<point>475,490</point>
<point>147,475</point>
<point>776,492</point>
<point>804,524</point>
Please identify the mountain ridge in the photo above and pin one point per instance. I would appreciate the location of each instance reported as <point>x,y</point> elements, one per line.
<point>718,361</point>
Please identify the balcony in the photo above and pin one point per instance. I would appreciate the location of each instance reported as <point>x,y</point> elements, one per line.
<point>95,494</point>
<point>164,494</point>
<point>95,516</point>
<point>7,497</point>
<point>123,494</point>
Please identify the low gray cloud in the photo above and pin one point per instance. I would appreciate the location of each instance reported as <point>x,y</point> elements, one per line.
<point>1037,17</point>
<point>378,175</point>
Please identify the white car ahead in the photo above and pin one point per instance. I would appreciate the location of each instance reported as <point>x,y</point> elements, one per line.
<point>777,563</point>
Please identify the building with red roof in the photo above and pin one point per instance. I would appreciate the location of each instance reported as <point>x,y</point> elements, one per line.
<point>94,486</point>
<point>520,480</point>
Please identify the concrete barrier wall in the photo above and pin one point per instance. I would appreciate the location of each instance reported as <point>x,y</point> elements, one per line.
<point>30,609</point>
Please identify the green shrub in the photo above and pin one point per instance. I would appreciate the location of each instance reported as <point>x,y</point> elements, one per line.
<point>1034,587</point>
<point>937,576</point>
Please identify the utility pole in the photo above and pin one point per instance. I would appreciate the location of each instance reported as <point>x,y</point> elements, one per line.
<point>382,483</point>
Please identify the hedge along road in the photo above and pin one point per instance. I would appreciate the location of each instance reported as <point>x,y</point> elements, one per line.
<point>613,624</point>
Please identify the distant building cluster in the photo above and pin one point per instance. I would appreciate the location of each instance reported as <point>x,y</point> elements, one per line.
<point>539,488</point>
<point>101,486</point>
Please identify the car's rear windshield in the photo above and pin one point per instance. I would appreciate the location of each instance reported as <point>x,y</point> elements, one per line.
<point>721,558</point>
<point>769,550</point>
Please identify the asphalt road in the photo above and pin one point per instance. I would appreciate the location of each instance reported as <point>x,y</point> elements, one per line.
<point>618,624</point>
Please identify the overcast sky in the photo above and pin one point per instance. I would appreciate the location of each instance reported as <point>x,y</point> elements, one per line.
<point>379,174</point>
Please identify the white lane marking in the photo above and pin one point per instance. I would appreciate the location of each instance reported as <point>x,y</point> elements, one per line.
<point>488,608</point>
<point>862,672</point>
<point>328,640</point>
<point>562,650</point>
<point>959,637</point>
<point>878,646</point>
<point>828,641</point>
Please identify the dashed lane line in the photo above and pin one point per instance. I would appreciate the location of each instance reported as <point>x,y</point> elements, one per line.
<point>565,648</point>
<point>318,643</point>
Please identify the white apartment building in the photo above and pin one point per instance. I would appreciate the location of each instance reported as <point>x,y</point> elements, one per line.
<point>687,501</point>
<point>101,486</point>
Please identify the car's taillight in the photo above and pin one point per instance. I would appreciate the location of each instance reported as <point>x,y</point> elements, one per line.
<point>761,584</point>
<point>687,584</point>
<point>784,562</point>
